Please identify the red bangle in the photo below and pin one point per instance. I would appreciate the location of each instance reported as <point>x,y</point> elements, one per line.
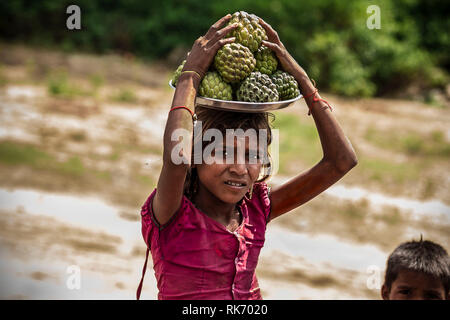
<point>316,99</point>
<point>194,116</point>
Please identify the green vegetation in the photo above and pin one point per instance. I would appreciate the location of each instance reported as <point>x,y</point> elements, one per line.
<point>78,136</point>
<point>328,38</point>
<point>96,81</point>
<point>125,95</point>
<point>299,141</point>
<point>145,180</point>
<point>385,171</point>
<point>411,143</point>
<point>58,85</point>
<point>15,153</point>
<point>3,80</point>
<point>300,145</point>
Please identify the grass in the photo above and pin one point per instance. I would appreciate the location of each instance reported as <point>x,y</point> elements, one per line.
<point>78,136</point>
<point>385,171</point>
<point>145,180</point>
<point>73,167</point>
<point>299,142</point>
<point>59,85</point>
<point>125,95</point>
<point>13,154</point>
<point>355,211</point>
<point>411,143</point>
<point>3,80</point>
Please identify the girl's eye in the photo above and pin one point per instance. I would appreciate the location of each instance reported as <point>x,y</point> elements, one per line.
<point>254,156</point>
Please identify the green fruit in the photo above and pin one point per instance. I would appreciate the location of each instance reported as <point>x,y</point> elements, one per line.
<point>266,61</point>
<point>248,32</point>
<point>234,62</point>
<point>257,88</point>
<point>177,73</point>
<point>213,86</point>
<point>286,85</point>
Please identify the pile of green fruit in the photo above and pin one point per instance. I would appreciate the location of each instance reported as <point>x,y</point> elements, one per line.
<point>246,70</point>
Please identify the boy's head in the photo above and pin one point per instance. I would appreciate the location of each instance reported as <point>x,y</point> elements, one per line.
<point>247,145</point>
<point>417,270</point>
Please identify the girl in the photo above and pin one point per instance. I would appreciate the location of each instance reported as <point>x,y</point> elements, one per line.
<point>205,223</point>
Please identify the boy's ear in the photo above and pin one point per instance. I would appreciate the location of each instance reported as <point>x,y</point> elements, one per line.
<point>384,292</point>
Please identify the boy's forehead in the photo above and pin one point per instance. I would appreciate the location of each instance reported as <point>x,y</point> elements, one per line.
<point>414,279</point>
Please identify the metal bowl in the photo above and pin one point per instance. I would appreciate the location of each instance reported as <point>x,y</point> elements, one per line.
<point>241,106</point>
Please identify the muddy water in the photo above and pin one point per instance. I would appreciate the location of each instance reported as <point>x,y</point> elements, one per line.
<point>435,209</point>
<point>43,234</point>
<point>37,268</point>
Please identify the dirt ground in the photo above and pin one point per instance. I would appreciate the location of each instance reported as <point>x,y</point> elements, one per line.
<point>79,156</point>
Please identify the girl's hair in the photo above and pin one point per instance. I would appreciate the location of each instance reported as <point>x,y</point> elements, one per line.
<point>223,120</point>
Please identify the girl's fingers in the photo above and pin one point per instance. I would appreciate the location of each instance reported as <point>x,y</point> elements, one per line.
<point>273,46</point>
<point>216,46</point>
<point>222,33</point>
<point>271,33</point>
<point>216,26</point>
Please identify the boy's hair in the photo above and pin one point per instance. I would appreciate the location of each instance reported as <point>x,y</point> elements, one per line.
<point>223,120</point>
<point>420,256</point>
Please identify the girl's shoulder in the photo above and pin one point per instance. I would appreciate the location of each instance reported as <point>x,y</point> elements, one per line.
<point>148,215</point>
<point>260,200</point>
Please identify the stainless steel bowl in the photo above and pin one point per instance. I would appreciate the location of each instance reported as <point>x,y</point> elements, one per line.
<point>241,106</point>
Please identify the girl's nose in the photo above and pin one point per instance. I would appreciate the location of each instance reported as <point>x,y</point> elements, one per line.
<point>238,168</point>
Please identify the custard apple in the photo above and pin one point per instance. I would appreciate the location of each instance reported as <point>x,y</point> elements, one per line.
<point>177,73</point>
<point>248,32</point>
<point>234,62</point>
<point>286,85</point>
<point>257,87</point>
<point>213,86</point>
<point>266,61</point>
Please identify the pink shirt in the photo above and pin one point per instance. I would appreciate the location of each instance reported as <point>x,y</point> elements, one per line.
<point>197,258</point>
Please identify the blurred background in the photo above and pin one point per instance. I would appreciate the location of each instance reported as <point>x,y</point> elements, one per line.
<point>82,115</point>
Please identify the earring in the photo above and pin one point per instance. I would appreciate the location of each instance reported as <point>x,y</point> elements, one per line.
<point>250,191</point>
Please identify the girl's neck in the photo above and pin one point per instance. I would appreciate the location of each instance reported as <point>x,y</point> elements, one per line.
<point>214,207</point>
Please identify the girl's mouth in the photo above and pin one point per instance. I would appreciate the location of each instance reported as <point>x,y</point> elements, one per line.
<point>235,185</point>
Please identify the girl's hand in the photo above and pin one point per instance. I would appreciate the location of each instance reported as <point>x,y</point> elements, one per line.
<point>205,47</point>
<point>287,62</point>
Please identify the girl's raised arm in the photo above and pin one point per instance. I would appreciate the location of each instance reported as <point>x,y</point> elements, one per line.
<point>338,154</point>
<point>169,191</point>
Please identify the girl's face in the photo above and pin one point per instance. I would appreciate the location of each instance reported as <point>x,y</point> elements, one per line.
<point>218,178</point>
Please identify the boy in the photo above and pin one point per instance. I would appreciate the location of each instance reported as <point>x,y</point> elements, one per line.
<point>417,270</point>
